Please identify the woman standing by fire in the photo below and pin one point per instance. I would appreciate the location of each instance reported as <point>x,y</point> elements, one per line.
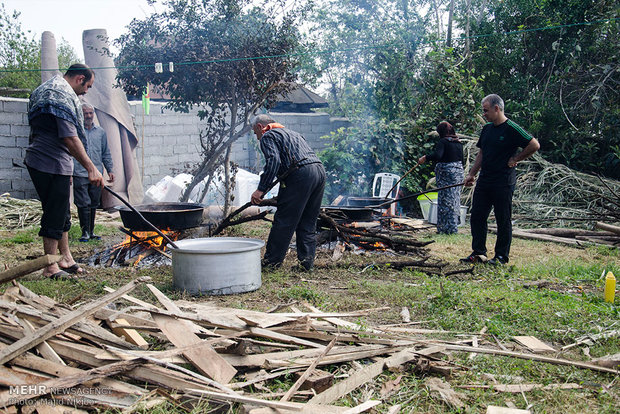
<point>448,155</point>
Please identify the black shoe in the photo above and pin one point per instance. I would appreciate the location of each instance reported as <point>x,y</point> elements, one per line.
<point>474,258</point>
<point>498,260</point>
<point>266,265</point>
<point>85,237</point>
<point>303,267</point>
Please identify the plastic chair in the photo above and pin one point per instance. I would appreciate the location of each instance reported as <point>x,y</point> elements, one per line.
<point>382,183</point>
<point>381,186</point>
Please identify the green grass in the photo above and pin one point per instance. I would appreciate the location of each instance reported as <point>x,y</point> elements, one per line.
<point>26,236</point>
<point>569,306</point>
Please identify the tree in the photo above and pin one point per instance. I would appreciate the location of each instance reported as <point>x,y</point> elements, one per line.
<point>560,82</point>
<point>230,58</point>
<point>20,56</point>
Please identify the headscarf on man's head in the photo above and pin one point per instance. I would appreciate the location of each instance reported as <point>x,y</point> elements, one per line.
<point>446,130</point>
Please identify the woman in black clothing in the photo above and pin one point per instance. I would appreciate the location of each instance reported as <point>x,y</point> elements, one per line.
<point>448,155</point>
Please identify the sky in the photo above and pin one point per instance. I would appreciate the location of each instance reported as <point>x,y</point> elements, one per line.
<point>69,18</point>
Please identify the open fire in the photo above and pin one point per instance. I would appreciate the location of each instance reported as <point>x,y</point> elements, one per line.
<point>140,248</point>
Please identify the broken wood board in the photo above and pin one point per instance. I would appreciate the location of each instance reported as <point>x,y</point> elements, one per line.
<point>363,407</point>
<point>347,385</point>
<point>308,372</point>
<point>203,357</point>
<point>64,322</point>
<point>519,388</point>
<point>131,335</point>
<point>534,344</point>
<point>8,398</point>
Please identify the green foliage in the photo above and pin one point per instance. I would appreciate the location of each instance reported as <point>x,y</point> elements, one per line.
<point>20,54</point>
<point>449,91</point>
<point>559,83</point>
<point>213,44</point>
<point>18,50</point>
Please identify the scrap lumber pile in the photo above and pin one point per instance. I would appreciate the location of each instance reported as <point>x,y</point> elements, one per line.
<point>119,352</point>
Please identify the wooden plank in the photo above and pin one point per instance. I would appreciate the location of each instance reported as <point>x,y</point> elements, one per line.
<point>64,322</point>
<point>519,388</point>
<point>33,362</point>
<point>131,335</point>
<point>8,398</point>
<point>306,374</point>
<point>335,359</point>
<point>396,361</point>
<point>303,409</point>
<point>204,358</point>
<point>362,407</point>
<point>344,387</point>
<point>318,381</point>
<point>133,300</point>
<point>29,267</point>
<point>247,400</point>
<point>44,348</point>
<point>532,357</point>
<point>258,360</point>
<point>269,334</point>
<point>534,344</point>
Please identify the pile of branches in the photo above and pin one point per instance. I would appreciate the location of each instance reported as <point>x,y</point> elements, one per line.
<point>18,214</point>
<point>553,193</point>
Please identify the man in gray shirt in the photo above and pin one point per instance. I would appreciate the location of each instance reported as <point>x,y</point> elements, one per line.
<point>85,195</point>
<point>57,134</point>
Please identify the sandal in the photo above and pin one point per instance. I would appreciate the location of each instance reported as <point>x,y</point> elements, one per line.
<point>62,275</point>
<point>74,269</point>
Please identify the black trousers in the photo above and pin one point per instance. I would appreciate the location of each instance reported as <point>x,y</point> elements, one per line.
<point>53,191</point>
<point>299,201</point>
<point>85,195</point>
<point>500,199</point>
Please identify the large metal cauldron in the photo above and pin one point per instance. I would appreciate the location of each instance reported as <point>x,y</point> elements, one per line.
<point>217,265</point>
<point>164,216</point>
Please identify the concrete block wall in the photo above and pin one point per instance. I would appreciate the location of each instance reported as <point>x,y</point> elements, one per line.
<point>169,142</point>
<point>14,132</point>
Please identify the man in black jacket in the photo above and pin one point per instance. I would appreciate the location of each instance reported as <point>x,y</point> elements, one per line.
<point>300,194</point>
<point>496,160</point>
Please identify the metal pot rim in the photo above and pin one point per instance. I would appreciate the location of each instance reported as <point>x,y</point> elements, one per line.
<point>254,245</point>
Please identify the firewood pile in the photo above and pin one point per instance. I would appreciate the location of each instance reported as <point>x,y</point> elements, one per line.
<point>608,235</point>
<point>120,352</point>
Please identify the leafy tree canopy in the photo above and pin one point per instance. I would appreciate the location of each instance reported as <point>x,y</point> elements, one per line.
<point>230,58</point>
<point>20,56</point>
